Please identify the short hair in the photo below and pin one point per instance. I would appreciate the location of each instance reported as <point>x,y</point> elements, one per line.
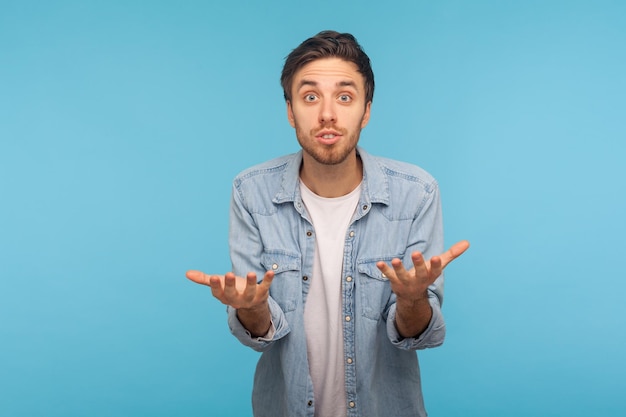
<point>328,44</point>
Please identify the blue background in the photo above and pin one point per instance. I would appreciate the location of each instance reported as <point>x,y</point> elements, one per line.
<point>122,124</point>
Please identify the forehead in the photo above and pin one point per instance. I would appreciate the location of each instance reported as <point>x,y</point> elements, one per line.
<point>329,71</point>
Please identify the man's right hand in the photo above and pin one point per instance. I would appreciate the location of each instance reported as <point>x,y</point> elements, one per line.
<point>243,294</point>
<point>234,291</point>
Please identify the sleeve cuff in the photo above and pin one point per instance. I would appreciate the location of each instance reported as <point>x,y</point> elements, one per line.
<point>278,328</point>
<point>433,336</point>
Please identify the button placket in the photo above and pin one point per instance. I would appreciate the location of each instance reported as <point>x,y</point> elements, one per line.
<point>349,319</point>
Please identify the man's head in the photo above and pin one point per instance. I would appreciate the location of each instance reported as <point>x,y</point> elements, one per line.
<point>328,44</point>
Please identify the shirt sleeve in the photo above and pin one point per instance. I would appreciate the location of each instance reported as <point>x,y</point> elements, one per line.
<point>426,237</point>
<point>278,329</point>
<point>245,252</point>
<point>433,336</point>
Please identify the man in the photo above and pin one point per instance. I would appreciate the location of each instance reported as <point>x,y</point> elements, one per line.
<point>350,244</point>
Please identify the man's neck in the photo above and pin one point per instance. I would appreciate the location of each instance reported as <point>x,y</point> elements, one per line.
<point>331,181</point>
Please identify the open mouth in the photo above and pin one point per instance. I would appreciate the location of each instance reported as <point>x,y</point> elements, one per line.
<point>328,137</point>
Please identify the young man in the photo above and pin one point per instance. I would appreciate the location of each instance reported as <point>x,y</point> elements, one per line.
<point>350,244</point>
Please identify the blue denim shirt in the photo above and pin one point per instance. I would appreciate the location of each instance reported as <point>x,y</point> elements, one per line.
<point>398,212</point>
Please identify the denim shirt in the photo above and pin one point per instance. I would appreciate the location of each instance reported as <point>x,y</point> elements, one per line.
<point>398,212</point>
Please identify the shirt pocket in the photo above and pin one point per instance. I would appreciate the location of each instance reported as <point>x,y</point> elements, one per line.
<point>374,288</point>
<point>286,288</point>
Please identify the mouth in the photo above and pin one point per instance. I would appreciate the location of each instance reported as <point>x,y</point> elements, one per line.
<point>328,137</point>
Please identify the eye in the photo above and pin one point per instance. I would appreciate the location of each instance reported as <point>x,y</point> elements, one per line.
<point>310,98</point>
<point>345,98</point>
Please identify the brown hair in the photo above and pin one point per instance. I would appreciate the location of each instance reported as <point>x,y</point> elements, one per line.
<point>328,44</point>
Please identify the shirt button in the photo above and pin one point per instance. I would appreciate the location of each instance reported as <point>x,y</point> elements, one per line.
<point>352,233</point>
<point>348,318</point>
<point>309,233</point>
<point>305,278</point>
<point>310,403</point>
<point>365,207</point>
<point>274,267</point>
<point>352,404</point>
<point>349,279</point>
<point>349,360</point>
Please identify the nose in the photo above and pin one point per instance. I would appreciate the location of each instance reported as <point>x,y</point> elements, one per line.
<point>327,112</point>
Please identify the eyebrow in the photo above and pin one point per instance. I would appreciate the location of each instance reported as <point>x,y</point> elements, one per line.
<point>312,83</point>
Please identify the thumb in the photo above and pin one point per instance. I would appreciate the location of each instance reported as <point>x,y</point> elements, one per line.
<point>198,277</point>
<point>454,252</point>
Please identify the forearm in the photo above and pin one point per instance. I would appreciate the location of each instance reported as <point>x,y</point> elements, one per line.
<point>257,321</point>
<point>413,316</point>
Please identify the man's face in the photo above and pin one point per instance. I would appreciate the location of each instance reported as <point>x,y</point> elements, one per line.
<point>328,109</point>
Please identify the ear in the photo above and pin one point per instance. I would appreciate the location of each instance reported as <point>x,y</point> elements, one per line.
<point>366,115</point>
<point>290,117</point>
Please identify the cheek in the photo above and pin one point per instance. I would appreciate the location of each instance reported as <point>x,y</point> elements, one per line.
<point>300,118</point>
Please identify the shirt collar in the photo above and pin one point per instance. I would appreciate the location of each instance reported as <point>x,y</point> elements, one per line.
<point>375,186</point>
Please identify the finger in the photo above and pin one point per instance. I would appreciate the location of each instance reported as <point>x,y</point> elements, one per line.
<point>267,280</point>
<point>454,252</point>
<point>420,265</point>
<point>387,271</point>
<point>251,286</point>
<point>216,287</point>
<point>436,266</point>
<point>230,289</point>
<point>399,270</point>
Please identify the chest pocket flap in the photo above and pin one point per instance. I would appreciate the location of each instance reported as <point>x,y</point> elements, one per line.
<point>286,287</point>
<point>374,288</point>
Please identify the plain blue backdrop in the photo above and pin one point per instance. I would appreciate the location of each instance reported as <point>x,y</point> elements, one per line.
<point>122,124</point>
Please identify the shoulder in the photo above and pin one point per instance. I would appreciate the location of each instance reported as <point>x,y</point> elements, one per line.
<point>268,170</point>
<point>405,171</point>
<point>398,173</point>
<point>268,183</point>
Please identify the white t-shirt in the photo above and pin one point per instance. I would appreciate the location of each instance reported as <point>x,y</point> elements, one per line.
<point>323,322</point>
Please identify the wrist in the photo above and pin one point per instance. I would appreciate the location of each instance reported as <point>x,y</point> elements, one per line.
<point>413,302</point>
<point>255,310</point>
<point>257,320</point>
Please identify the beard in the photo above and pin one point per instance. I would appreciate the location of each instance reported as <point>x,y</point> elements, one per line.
<point>328,154</point>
